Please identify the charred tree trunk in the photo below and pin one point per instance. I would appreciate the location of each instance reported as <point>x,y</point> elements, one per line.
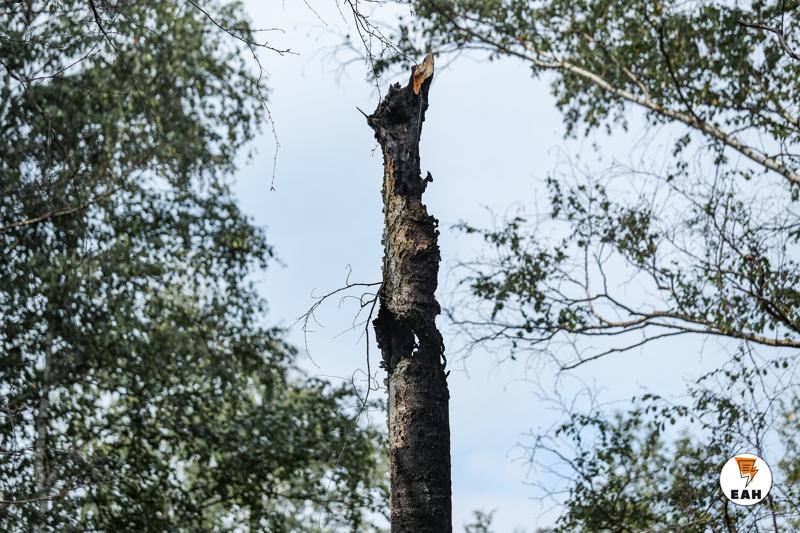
<point>411,345</point>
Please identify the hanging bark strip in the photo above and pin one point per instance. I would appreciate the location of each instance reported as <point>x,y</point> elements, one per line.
<point>405,328</point>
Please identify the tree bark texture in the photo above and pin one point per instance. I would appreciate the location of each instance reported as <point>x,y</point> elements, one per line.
<point>411,345</point>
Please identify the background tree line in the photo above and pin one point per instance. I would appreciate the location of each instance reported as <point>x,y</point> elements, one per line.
<point>141,388</point>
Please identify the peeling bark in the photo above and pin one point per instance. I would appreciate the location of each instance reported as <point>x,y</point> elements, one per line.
<point>411,345</point>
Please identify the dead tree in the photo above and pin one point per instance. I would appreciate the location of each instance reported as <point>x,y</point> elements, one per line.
<point>411,345</point>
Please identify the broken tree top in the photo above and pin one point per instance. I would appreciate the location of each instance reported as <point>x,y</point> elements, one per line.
<point>421,73</point>
<point>400,112</point>
<point>412,348</point>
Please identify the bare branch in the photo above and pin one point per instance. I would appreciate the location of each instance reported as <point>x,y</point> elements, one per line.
<point>59,212</point>
<point>778,33</point>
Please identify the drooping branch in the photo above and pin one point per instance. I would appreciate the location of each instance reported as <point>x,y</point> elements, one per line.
<point>471,29</point>
<point>721,275</point>
<point>779,33</point>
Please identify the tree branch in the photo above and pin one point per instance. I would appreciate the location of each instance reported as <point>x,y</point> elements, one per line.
<point>778,33</point>
<point>58,213</point>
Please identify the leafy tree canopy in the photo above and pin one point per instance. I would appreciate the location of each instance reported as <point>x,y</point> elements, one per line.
<point>141,390</point>
<point>697,240</point>
<point>655,467</point>
<point>712,229</point>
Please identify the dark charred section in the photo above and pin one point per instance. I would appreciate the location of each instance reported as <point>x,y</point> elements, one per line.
<point>410,343</point>
<point>394,338</point>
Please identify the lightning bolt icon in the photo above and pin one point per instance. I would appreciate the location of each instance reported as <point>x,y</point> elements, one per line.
<point>747,468</point>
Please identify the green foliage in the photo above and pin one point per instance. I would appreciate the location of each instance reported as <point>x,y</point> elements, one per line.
<point>695,60</point>
<point>482,523</point>
<point>720,261</point>
<point>656,466</point>
<point>141,390</point>
<point>701,242</point>
<point>715,248</point>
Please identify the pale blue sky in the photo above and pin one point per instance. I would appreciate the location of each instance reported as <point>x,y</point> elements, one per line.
<point>492,133</point>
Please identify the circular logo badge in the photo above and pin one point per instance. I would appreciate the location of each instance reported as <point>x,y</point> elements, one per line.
<point>745,479</point>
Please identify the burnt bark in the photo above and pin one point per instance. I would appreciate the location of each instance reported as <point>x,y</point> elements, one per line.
<point>411,345</point>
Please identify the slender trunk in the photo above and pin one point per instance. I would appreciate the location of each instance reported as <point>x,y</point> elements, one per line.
<point>40,444</point>
<point>411,345</point>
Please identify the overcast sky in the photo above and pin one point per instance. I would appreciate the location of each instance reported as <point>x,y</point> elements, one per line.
<point>491,134</point>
